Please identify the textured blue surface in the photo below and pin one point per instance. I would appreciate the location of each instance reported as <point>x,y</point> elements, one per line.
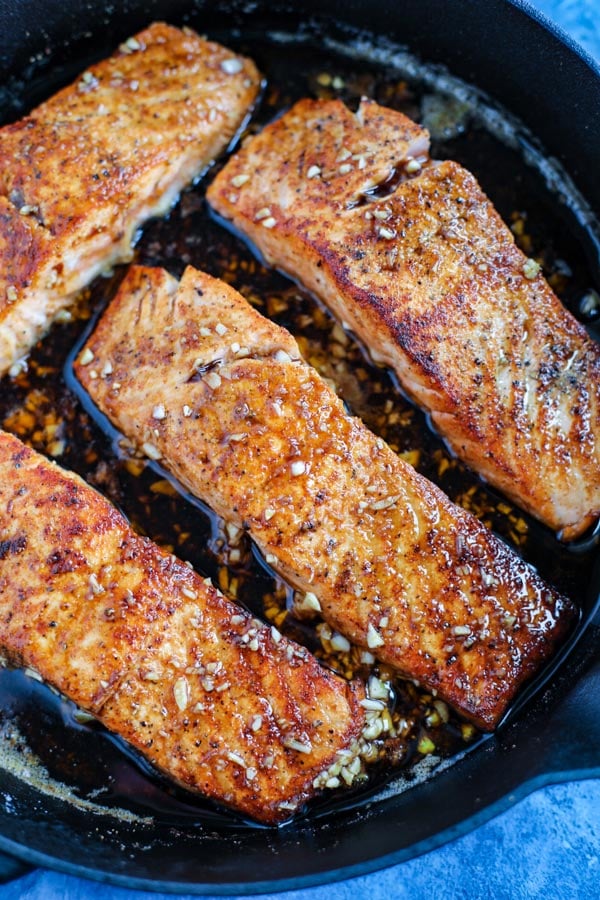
<point>579,18</point>
<point>547,845</point>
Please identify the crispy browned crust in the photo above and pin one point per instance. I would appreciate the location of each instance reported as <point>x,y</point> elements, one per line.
<point>431,280</point>
<point>208,694</point>
<point>84,170</point>
<point>191,373</point>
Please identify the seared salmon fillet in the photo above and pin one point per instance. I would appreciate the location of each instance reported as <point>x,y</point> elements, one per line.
<point>212,697</point>
<point>195,377</point>
<point>411,255</point>
<point>84,170</point>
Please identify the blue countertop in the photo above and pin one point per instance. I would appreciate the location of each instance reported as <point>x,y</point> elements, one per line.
<point>546,845</point>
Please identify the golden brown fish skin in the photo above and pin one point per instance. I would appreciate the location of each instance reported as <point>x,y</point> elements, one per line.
<point>432,282</point>
<point>193,375</point>
<point>84,170</point>
<point>204,691</point>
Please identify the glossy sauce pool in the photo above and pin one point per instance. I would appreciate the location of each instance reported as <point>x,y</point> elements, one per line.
<point>44,406</point>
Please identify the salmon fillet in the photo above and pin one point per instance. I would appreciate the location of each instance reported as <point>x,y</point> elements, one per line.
<point>84,170</point>
<point>195,377</point>
<point>411,255</point>
<point>213,698</point>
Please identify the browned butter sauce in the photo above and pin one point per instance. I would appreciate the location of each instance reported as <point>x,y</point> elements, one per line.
<point>44,407</point>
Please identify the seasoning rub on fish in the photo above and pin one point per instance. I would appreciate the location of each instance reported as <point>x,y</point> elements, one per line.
<point>83,171</point>
<point>195,377</point>
<point>410,254</point>
<point>213,698</point>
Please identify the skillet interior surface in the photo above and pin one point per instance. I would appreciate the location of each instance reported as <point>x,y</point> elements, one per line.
<point>70,791</point>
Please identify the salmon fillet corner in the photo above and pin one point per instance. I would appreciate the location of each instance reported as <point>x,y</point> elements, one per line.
<point>83,171</point>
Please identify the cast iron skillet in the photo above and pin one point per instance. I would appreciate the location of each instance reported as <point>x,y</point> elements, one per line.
<point>554,734</point>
